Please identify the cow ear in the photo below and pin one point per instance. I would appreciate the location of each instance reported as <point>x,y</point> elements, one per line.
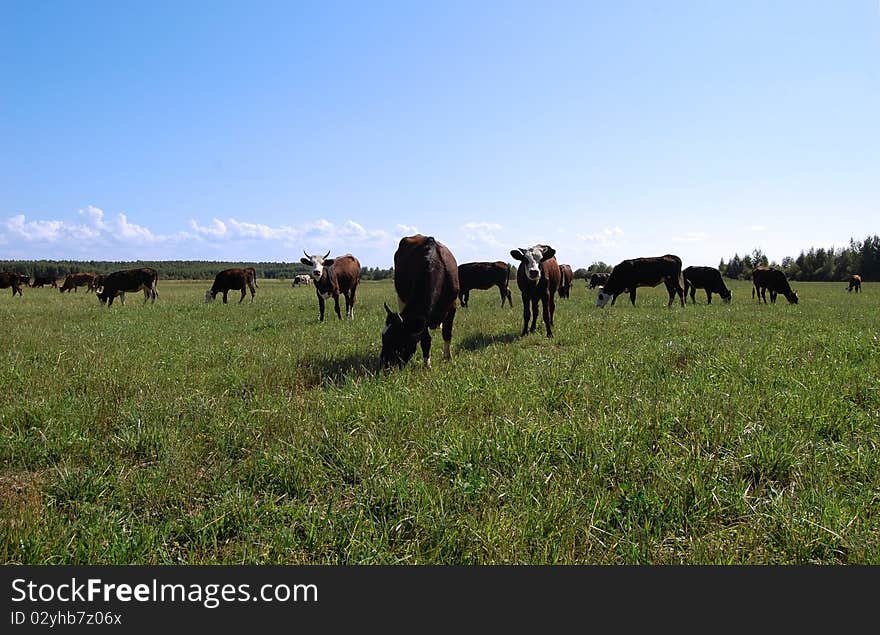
<point>517,254</point>
<point>327,263</point>
<point>306,261</point>
<point>549,252</point>
<point>391,316</point>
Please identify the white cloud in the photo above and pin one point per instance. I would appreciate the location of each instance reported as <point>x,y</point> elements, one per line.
<point>481,232</point>
<point>691,237</point>
<point>407,230</point>
<point>216,228</point>
<point>608,237</point>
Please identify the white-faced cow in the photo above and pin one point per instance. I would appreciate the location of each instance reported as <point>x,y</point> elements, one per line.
<point>119,283</point>
<point>333,276</point>
<point>598,279</point>
<point>566,276</point>
<point>764,278</point>
<point>10,279</point>
<point>75,280</point>
<point>855,283</point>
<point>708,278</point>
<point>484,275</point>
<point>237,279</point>
<point>426,282</point>
<point>303,279</point>
<point>538,280</point>
<point>643,272</point>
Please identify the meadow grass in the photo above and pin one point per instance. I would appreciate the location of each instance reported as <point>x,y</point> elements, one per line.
<point>182,432</point>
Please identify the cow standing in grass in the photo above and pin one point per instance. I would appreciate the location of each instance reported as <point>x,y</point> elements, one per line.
<point>855,283</point>
<point>764,278</point>
<point>538,280</point>
<point>10,279</point>
<point>335,276</point>
<point>598,279</point>
<point>75,280</point>
<point>118,283</point>
<point>708,278</point>
<point>566,276</point>
<point>484,275</point>
<point>236,279</point>
<point>41,281</point>
<point>643,272</point>
<point>427,286</point>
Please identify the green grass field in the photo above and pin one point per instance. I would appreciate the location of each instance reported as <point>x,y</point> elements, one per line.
<point>191,433</point>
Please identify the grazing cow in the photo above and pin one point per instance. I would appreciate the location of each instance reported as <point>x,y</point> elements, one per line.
<point>484,275</point>
<point>855,282</point>
<point>566,275</point>
<point>708,278</point>
<point>334,276</point>
<point>538,279</point>
<point>119,283</point>
<point>643,272</point>
<point>302,278</point>
<point>10,279</point>
<point>76,280</point>
<point>238,279</point>
<point>41,281</point>
<point>598,279</point>
<point>426,282</point>
<point>764,278</point>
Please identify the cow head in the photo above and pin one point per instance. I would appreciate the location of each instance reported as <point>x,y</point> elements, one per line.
<point>102,296</point>
<point>398,342</point>
<point>208,296</point>
<point>317,263</point>
<point>727,296</point>
<point>532,259</point>
<point>603,298</point>
<point>792,297</point>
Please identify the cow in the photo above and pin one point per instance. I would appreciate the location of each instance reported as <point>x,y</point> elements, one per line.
<point>538,279</point>
<point>855,282</point>
<point>237,279</point>
<point>75,280</point>
<point>566,275</point>
<point>41,281</point>
<point>598,279</point>
<point>119,283</point>
<point>302,278</point>
<point>764,278</point>
<point>253,273</point>
<point>334,276</point>
<point>708,278</point>
<point>484,275</point>
<point>10,279</point>
<point>427,286</point>
<point>643,272</point>
<point>24,280</point>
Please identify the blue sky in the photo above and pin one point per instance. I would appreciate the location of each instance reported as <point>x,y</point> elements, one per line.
<point>610,130</point>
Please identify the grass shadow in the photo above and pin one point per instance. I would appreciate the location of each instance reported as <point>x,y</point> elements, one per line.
<point>338,370</point>
<point>482,340</point>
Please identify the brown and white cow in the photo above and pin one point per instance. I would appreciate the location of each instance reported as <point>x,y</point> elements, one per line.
<point>237,279</point>
<point>764,278</point>
<point>484,275</point>
<point>41,281</point>
<point>708,278</point>
<point>427,286</point>
<point>538,280</point>
<point>855,282</point>
<point>119,283</point>
<point>335,276</point>
<point>566,276</point>
<point>302,279</point>
<point>598,279</point>
<point>10,279</point>
<point>643,272</point>
<point>75,280</point>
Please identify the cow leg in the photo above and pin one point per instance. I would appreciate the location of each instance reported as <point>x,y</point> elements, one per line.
<point>243,293</point>
<point>463,298</point>
<point>446,332</point>
<point>321,305</point>
<point>225,294</point>
<point>772,296</point>
<point>708,296</point>
<point>336,305</point>
<point>548,315</point>
<point>425,341</point>
<point>509,298</point>
<point>552,308</point>
<point>632,296</point>
<point>534,315</point>
<point>525,301</point>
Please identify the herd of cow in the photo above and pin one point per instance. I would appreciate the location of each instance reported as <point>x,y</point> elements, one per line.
<point>429,284</point>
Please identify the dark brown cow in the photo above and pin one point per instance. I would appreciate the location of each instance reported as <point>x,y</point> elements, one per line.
<point>119,283</point>
<point>598,279</point>
<point>643,272</point>
<point>708,278</point>
<point>334,276</point>
<point>484,275</point>
<point>855,282</point>
<point>566,276</point>
<point>76,280</point>
<point>538,279</point>
<point>10,279</point>
<point>426,282</point>
<point>237,279</point>
<point>41,281</point>
<point>764,278</point>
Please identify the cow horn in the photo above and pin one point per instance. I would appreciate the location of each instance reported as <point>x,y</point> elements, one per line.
<point>325,255</point>
<point>387,310</point>
<point>307,255</point>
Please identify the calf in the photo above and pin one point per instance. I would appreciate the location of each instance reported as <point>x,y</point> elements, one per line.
<point>427,285</point>
<point>302,278</point>
<point>708,278</point>
<point>855,282</point>
<point>484,275</point>
<point>119,283</point>
<point>41,281</point>
<point>10,279</point>
<point>538,279</point>
<point>598,279</point>
<point>334,276</point>
<point>76,280</point>
<point>643,272</point>
<point>764,278</point>
<point>237,279</point>
<point>566,275</point>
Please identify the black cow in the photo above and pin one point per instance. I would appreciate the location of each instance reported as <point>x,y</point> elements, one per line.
<point>764,278</point>
<point>598,279</point>
<point>237,279</point>
<point>566,276</point>
<point>538,279</point>
<point>643,272</point>
<point>484,275</point>
<point>708,278</point>
<point>119,283</point>
<point>41,281</point>
<point>426,282</point>
<point>855,282</point>
<point>10,279</point>
<point>333,276</point>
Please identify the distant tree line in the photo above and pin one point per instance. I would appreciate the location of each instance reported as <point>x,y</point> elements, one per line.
<point>170,269</point>
<point>596,267</point>
<point>815,264</point>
